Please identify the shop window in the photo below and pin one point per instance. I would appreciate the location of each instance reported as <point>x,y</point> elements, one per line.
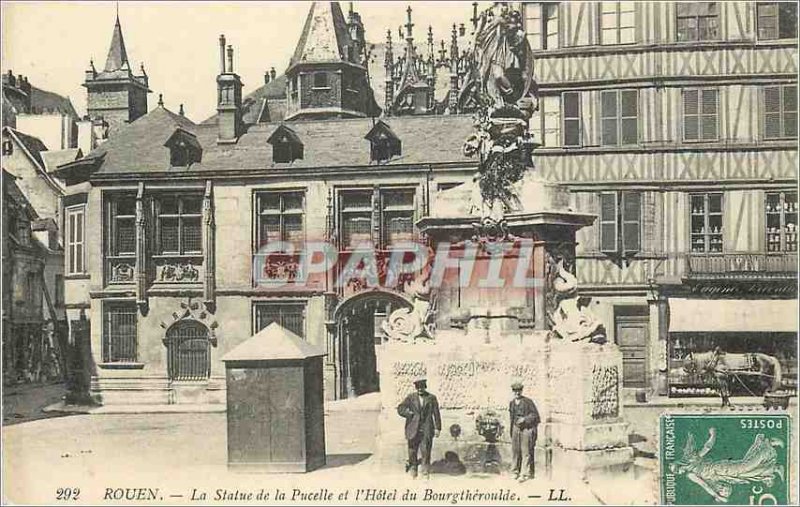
<point>280,217</point>
<point>700,115</point>
<point>290,316</point>
<point>776,20</point>
<point>706,223</point>
<point>697,21</point>
<point>571,110</point>
<point>76,248</point>
<point>620,222</point>
<point>619,111</point>
<point>781,221</point>
<point>119,332</point>
<point>617,22</point>
<point>178,224</point>
<point>780,112</point>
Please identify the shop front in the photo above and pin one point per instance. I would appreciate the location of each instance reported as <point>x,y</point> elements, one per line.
<point>756,340</point>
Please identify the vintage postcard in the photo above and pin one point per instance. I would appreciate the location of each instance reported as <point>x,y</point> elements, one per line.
<point>399,253</point>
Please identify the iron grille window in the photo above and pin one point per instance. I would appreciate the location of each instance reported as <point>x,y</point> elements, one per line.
<point>122,212</point>
<point>620,111</point>
<point>700,114</point>
<point>697,21</point>
<point>777,20</point>
<point>395,220</point>
<point>179,224</point>
<point>781,221</point>
<point>706,223</point>
<point>76,226</point>
<point>617,22</point>
<point>572,118</point>
<point>780,112</point>
<point>288,315</point>
<point>280,217</point>
<point>119,332</point>
<point>188,351</point>
<point>620,222</point>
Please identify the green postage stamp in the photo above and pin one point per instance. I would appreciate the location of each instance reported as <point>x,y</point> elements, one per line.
<point>733,459</point>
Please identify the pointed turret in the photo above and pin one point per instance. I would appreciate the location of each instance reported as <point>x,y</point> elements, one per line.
<point>117,56</point>
<point>327,74</point>
<point>116,96</point>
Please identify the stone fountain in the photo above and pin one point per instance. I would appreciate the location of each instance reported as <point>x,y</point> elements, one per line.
<point>506,224</point>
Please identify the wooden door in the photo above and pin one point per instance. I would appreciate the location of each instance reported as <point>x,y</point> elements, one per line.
<point>632,337</point>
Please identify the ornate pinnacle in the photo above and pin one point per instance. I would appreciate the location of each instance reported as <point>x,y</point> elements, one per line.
<point>409,25</point>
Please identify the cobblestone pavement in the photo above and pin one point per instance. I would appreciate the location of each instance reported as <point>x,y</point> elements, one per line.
<point>24,403</point>
<point>184,455</point>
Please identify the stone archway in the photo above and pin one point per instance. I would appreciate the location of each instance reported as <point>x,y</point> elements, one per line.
<point>360,338</point>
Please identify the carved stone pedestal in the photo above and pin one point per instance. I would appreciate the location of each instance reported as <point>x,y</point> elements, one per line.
<point>586,429</point>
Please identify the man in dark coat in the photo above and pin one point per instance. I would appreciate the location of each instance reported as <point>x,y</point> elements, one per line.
<point>524,419</point>
<point>423,423</point>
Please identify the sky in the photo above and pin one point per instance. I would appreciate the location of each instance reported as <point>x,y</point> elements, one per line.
<point>52,42</point>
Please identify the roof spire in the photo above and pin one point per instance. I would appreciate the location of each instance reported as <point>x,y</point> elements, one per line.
<point>117,56</point>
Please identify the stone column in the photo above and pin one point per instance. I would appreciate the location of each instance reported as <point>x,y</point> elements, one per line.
<point>141,250</point>
<point>209,283</point>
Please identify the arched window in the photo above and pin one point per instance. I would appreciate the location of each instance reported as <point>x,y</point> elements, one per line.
<point>188,351</point>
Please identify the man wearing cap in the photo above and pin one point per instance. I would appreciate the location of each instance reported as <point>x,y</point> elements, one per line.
<point>423,423</point>
<point>524,419</point>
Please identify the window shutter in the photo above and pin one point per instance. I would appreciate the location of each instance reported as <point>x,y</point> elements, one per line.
<point>690,113</point>
<point>608,222</point>
<point>709,114</point>
<point>790,111</point>
<point>609,109</point>
<point>572,119</point>
<point>631,221</point>
<point>629,113</point>
<point>772,112</point>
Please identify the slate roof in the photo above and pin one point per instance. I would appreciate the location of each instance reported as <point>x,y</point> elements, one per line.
<point>46,102</point>
<point>117,55</point>
<point>55,158</point>
<point>33,144</point>
<point>324,36</point>
<point>139,146</point>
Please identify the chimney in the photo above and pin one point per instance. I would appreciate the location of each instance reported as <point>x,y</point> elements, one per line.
<point>222,54</point>
<point>272,73</point>
<point>266,77</point>
<point>229,98</point>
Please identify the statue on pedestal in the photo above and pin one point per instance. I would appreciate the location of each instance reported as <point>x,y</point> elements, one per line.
<point>506,102</point>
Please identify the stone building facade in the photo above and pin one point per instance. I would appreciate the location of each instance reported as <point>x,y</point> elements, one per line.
<point>671,134</point>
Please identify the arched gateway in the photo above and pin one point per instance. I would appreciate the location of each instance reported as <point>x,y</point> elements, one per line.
<point>359,334</point>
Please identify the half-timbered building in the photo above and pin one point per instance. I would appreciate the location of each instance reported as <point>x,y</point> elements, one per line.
<point>676,123</point>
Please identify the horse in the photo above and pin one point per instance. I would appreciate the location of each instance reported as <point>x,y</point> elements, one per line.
<point>723,365</point>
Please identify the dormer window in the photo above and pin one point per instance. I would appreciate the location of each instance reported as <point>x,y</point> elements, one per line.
<point>184,149</point>
<point>286,145</point>
<point>321,80</point>
<point>384,144</point>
